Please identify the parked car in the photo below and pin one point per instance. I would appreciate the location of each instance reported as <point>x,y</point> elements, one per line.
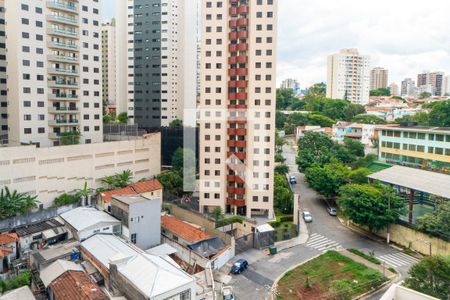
<point>307,216</point>
<point>332,211</point>
<point>227,293</point>
<point>292,180</point>
<point>239,266</point>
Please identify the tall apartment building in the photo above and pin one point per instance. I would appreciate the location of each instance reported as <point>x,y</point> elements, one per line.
<point>408,87</point>
<point>157,54</point>
<point>109,62</point>
<point>431,82</point>
<point>378,78</point>
<point>394,89</point>
<point>54,70</point>
<point>446,90</point>
<point>237,106</point>
<point>349,76</point>
<point>3,78</point>
<point>291,84</point>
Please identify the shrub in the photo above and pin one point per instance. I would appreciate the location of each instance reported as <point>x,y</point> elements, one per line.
<point>65,199</point>
<point>365,256</point>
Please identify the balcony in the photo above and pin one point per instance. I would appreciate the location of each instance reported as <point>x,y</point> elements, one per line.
<point>242,10</point>
<point>63,84</point>
<point>230,189</point>
<point>239,155</point>
<point>241,96</point>
<point>62,32</point>
<point>67,7</point>
<point>238,72</point>
<point>237,120</point>
<point>63,59</point>
<point>62,71</point>
<point>233,36</point>
<point>239,191</point>
<point>242,22</point>
<point>63,97</point>
<point>242,34</point>
<point>63,122</point>
<point>232,47</point>
<point>232,96</point>
<point>242,47</point>
<point>231,143</point>
<point>62,20</point>
<point>242,59</point>
<point>63,110</point>
<point>231,178</point>
<point>63,46</point>
<point>241,144</point>
<point>241,131</point>
<point>231,131</point>
<point>235,202</point>
<point>233,11</point>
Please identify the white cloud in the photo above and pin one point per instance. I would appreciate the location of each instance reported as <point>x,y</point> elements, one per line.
<point>403,36</point>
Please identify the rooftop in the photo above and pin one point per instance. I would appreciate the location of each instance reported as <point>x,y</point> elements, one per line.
<point>58,251</point>
<point>133,189</point>
<point>183,230</point>
<point>424,181</point>
<point>76,285</point>
<point>153,275</point>
<point>430,129</point>
<point>23,293</point>
<point>82,218</point>
<point>7,238</point>
<point>129,199</point>
<point>56,269</point>
<point>38,227</point>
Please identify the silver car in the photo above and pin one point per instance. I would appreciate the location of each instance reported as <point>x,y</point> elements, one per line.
<point>307,216</point>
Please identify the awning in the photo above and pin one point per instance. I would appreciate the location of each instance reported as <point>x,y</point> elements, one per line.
<point>264,228</point>
<point>51,233</point>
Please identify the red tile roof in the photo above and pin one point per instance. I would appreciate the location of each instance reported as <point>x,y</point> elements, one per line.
<point>5,251</point>
<point>6,238</point>
<point>133,189</point>
<point>76,285</point>
<point>183,230</point>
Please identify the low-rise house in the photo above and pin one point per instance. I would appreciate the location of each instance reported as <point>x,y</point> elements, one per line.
<point>41,259</point>
<point>150,189</point>
<point>56,269</point>
<point>22,293</point>
<point>8,251</point>
<point>84,222</point>
<point>195,247</point>
<point>74,285</point>
<point>301,130</point>
<point>362,132</point>
<point>140,218</point>
<point>130,272</point>
<point>42,234</point>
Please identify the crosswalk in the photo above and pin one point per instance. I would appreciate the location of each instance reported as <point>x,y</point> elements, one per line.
<point>398,259</point>
<point>321,243</point>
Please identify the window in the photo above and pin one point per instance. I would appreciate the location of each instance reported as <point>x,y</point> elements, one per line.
<point>133,238</point>
<point>185,295</point>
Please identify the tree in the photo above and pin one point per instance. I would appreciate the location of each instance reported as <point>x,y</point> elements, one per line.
<point>13,203</point>
<point>327,179</point>
<point>179,157</point>
<point>422,118</point>
<point>437,221</point>
<point>218,215</point>
<point>176,123</point>
<point>65,199</point>
<point>355,147</point>
<point>320,120</point>
<point>123,179</point>
<point>279,158</point>
<point>372,205</point>
<point>283,196</point>
<point>122,118</point>
<point>431,276</point>
<point>108,181</point>
<point>317,89</point>
<point>440,114</point>
<point>282,169</point>
<point>425,95</point>
<point>314,147</point>
<point>172,182</point>
<point>368,119</point>
<point>380,92</point>
<point>108,118</point>
<point>284,98</point>
<point>280,120</point>
<point>353,110</point>
<point>359,175</point>
<point>69,138</point>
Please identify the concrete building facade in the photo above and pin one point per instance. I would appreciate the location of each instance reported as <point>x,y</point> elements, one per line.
<point>349,76</point>
<point>237,106</point>
<point>291,84</point>
<point>50,172</point>
<point>158,71</point>
<point>378,78</point>
<point>432,82</point>
<point>109,62</point>
<point>394,89</point>
<point>3,78</point>
<point>408,87</point>
<point>54,71</point>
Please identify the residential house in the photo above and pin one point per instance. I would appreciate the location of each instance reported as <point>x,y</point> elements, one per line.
<point>56,269</point>
<point>301,130</point>
<point>149,189</point>
<point>140,218</point>
<point>195,247</point>
<point>361,132</point>
<point>41,259</point>
<point>75,285</point>
<point>42,234</point>
<point>8,252</point>
<point>84,222</point>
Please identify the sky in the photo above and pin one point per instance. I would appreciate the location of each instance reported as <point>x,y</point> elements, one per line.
<point>404,36</point>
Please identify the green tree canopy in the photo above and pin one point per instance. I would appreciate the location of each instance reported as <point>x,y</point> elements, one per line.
<point>172,182</point>
<point>425,95</point>
<point>319,120</point>
<point>422,118</point>
<point>355,147</point>
<point>313,148</point>
<point>69,138</point>
<point>374,206</point>
<point>122,118</point>
<point>283,196</point>
<point>440,114</point>
<point>437,221</point>
<point>327,179</point>
<point>380,92</point>
<point>431,276</point>
<point>13,203</point>
<point>176,123</point>
<point>368,119</point>
<point>280,120</point>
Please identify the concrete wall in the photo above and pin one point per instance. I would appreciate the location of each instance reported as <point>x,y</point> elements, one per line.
<point>146,223</point>
<point>50,172</point>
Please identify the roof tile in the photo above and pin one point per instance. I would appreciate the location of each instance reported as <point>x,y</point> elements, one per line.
<point>76,285</point>
<point>133,189</point>
<point>183,230</point>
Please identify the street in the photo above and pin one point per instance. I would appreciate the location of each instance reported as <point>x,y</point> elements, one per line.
<point>325,232</point>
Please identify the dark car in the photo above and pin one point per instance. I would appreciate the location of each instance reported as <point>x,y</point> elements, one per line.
<point>239,266</point>
<point>332,211</point>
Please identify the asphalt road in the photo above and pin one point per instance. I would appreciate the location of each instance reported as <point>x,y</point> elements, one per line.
<point>326,232</point>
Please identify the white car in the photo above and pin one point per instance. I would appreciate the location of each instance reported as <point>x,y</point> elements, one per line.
<point>307,216</point>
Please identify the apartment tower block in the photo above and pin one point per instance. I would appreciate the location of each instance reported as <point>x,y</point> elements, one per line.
<point>237,106</point>
<point>54,71</point>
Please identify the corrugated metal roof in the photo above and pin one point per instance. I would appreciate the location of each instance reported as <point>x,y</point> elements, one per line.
<point>416,179</point>
<point>81,218</point>
<point>56,269</point>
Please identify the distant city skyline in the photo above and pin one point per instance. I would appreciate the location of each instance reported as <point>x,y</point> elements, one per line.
<point>397,38</point>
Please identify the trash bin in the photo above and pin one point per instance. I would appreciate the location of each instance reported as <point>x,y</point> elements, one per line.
<point>273,250</point>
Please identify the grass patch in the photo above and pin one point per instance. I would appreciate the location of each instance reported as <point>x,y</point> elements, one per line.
<point>365,256</point>
<point>329,276</point>
<point>230,220</point>
<point>392,270</point>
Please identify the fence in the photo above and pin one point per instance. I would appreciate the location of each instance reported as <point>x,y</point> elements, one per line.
<point>34,217</point>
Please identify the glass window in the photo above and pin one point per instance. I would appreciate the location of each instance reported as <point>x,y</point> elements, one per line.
<point>430,150</point>
<point>439,151</point>
<point>420,148</point>
<point>440,137</point>
<point>431,137</point>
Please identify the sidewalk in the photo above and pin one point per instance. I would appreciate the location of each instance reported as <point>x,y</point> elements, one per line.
<point>302,238</point>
